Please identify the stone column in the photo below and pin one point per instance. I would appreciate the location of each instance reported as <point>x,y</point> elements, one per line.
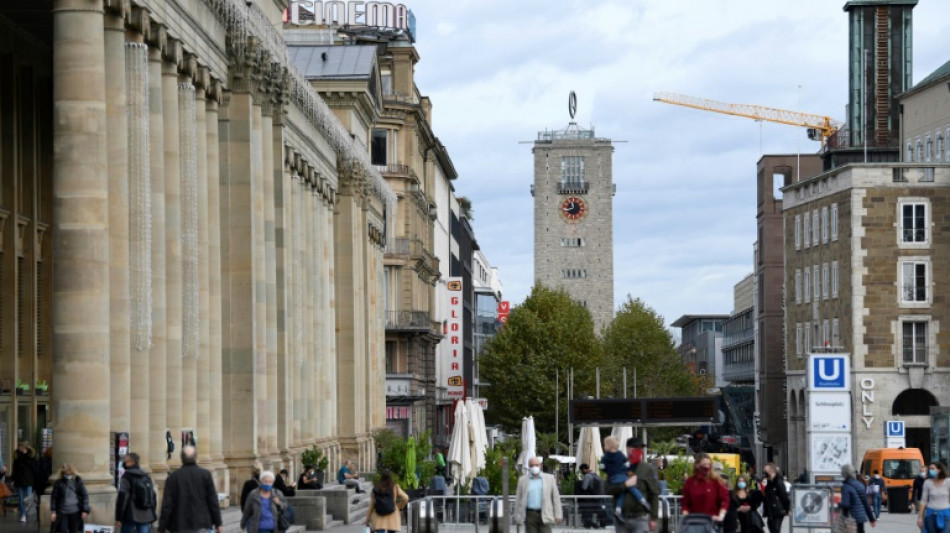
<point>157,354</point>
<point>270,265</point>
<point>285,358</point>
<point>258,269</point>
<point>329,325</point>
<point>203,382</point>
<point>117,146</point>
<point>214,267</point>
<point>314,351</point>
<point>173,280</point>
<point>190,284</point>
<point>81,286</point>
<point>324,327</point>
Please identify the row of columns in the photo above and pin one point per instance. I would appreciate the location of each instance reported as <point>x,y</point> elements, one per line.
<point>273,373</point>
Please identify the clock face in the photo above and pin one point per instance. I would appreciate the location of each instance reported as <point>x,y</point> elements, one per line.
<point>572,208</point>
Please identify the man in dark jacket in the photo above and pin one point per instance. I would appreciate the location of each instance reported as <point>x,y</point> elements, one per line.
<point>24,465</point>
<point>638,519</point>
<point>190,500</point>
<point>919,487</point>
<point>777,503</point>
<point>129,516</point>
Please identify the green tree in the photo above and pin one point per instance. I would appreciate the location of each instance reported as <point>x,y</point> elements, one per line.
<point>547,334</point>
<point>637,339</point>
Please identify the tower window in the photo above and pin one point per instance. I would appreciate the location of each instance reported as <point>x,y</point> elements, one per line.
<point>572,170</point>
<point>572,242</point>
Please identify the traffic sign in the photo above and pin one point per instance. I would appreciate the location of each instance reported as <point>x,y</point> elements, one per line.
<point>894,429</point>
<point>829,372</point>
<point>811,506</point>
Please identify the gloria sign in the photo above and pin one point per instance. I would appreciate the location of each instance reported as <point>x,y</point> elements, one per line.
<point>454,383</point>
<point>351,13</point>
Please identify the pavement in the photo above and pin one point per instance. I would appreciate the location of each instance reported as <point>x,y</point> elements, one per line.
<point>888,523</point>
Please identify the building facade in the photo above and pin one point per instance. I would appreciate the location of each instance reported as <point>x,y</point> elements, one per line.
<point>700,347</point>
<point>194,248</point>
<point>864,280</point>
<point>573,217</point>
<point>738,336</point>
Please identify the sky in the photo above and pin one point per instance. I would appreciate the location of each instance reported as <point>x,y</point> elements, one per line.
<point>500,71</point>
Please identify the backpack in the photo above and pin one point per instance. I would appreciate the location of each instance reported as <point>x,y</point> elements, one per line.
<point>384,503</point>
<point>143,492</point>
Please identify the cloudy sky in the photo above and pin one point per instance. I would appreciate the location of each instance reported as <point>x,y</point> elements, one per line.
<point>499,71</point>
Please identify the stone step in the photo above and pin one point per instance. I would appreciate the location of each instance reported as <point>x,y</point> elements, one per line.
<point>334,523</point>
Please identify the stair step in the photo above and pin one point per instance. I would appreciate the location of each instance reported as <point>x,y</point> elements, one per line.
<point>334,523</point>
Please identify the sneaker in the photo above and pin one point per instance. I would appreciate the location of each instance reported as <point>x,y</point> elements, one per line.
<point>23,518</point>
<point>644,503</point>
<point>618,517</point>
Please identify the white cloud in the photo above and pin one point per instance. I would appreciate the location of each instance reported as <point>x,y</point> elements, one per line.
<point>499,71</point>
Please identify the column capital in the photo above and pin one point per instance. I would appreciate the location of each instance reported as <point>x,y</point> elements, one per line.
<point>202,78</point>
<point>157,37</point>
<point>189,66</point>
<point>120,8</point>
<point>173,52</point>
<point>140,20</point>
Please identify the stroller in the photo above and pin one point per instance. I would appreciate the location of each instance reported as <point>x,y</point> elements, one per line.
<point>697,523</point>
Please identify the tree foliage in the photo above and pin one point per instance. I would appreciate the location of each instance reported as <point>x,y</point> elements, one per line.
<point>547,335</point>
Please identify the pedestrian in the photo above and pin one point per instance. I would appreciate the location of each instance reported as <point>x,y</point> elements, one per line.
<point>69,503</point>
<point>264,507</point>
<point>308,479</point>
<point>252,483</point>
<point>704,492</point>
<point>616,465</point>
<point>876,489</point>
<point>918,488</point>
<point>136,502</point>
<point>777,503</point>
<point>745,501</point>
<point>853,503</point>
<point>934,514</point>
<point>385,503</point>
<point>190,500</point>
<point>42,473</point>
<point>284,485</point>
<point>24,466</point>
<point>591,485</point>
<point>638,515</point>
<point>537,500</point>
<point>347,477</point>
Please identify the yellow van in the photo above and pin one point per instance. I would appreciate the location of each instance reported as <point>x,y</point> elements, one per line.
<point>731,463</point>
<point>897,466</point>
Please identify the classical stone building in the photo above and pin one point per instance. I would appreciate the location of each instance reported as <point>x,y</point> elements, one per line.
<point>191,242</point>
<point>864,279</point>
<point>573,217</point>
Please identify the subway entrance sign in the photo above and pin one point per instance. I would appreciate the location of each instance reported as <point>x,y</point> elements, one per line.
<point>681,411</point>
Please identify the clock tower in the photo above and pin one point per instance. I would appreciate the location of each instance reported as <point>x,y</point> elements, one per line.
<point>573,216</point>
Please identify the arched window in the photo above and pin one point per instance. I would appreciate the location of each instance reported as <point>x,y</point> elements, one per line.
<point>914,402</point>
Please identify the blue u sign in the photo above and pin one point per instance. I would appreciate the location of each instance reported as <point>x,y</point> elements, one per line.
<point>828,372</point>
<point>895,428</point>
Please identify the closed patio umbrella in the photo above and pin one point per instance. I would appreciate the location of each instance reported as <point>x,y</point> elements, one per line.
<point>528,443</point>
<point>589,449</point>
<point>460,455</point>
<point>412,481</point>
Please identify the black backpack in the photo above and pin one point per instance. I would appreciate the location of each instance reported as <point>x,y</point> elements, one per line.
<point>143,492</point>
<point>384,503</point>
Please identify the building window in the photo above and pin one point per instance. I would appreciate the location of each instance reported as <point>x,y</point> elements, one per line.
<point>814,227</point>
<point>834,279</point>
<point>807,290</point>
<point>914,281</point>
<point>825,333</point>
<point>572,242</point>
<point>834,222</point>
<point>798,286</point>
<point>816,283</point>
<point>835,333</point>
<point>824,281</point>
<point>914,342</point>
<point>920,151</point>
<point>939,156</point>
<point>807,330</point>
<point>572,170</point>
<point>910,153</point>
<point>928,155</point>
<point>824,225</point>
<point>378,147</point>
<point>913,222</point>
<point>807,230</point>
<point>798,232</point>
<point>798,339</point>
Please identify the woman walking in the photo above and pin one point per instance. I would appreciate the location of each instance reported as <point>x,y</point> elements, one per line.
<point>704,492</point>
<point>69,502</point>
<point>854,503</point>
<point>264,507</point>
<point>934,514</point>
<point>745,500</point>
<point>385,504</point>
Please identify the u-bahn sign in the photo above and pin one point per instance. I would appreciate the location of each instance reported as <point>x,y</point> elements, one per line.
<point>683,411</point>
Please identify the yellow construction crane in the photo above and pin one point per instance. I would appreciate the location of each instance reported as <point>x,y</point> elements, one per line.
<point>819,127</point>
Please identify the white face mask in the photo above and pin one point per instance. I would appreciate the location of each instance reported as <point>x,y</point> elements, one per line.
<point>535,470</point>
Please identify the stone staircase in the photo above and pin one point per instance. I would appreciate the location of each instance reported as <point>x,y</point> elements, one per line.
<point>345,506</point>
<point>317,510</point>
<point>231,522</point>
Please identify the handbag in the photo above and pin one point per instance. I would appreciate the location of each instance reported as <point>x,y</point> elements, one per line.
<point>844,524</point>
<point>283,523</point>
<point>755,520</point>
<point>5,491</point>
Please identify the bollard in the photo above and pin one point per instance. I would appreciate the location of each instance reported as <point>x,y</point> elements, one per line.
<point>423,519</point>
<point>665,523</point>
<point>497,519</point>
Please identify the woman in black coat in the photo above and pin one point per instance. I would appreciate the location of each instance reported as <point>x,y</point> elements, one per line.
<point>69,502</point>
<point>745,501</point>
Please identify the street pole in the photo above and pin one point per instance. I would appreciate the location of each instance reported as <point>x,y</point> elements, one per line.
<point>624,383</point>
<point>557,398</point>
<point>598,381</point>
<point>504,494</point>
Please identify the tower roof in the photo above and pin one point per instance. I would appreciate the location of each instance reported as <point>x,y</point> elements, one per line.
<point>858,3</point>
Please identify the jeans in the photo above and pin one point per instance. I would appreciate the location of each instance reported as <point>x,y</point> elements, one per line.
<point>132,527</point>
<point>25,494</point>
<point>930,524</point>
<point>69,523</point>
<point>639,524</point>
<point>775,524</point>
<point>876,500</point>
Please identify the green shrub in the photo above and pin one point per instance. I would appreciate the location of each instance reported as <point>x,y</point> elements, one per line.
<point>314,456</point>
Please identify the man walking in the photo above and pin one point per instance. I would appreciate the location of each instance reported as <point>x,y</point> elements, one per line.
<point>537,500</point>
<point>637,518</point>
<point>24,465</point>
<point>591,485</point>
<point>136,502</point>
<point>190,500</point>
<point>876,489</point>
<point>777,503</point>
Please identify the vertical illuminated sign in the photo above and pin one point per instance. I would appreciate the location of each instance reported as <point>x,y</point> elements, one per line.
<point>454,383</point>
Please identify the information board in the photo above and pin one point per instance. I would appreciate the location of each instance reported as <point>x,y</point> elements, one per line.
<point>646,411</point>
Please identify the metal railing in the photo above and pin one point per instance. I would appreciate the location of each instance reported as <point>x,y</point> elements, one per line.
<point>489,513</point>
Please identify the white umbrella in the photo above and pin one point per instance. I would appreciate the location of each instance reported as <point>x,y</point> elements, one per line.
<point>528,442</point>
<point>589,449</point>
<point>477,435</point>
<point>460,456</point>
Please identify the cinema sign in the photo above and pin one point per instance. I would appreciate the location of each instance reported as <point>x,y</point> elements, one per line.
<point>350,13</point>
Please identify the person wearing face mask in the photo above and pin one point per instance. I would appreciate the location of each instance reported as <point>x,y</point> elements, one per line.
<point>537,500</point>
<point>264,507</point>
<point>704,492</point>
<point>744,501</point>
<point>638,515</point>
<point>136,500</point>
<point>777,503</point>
<point>854,504</point>
<point>69,502</point>
<point>934,513</point>
<point>918,488</point>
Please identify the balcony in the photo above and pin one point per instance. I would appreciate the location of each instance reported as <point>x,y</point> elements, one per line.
<point>415,252</point>
<point>412,322</point>
<point>396,170</point>
<point>400,98</point>
<point>573,188</point>
<point>403,387</point>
